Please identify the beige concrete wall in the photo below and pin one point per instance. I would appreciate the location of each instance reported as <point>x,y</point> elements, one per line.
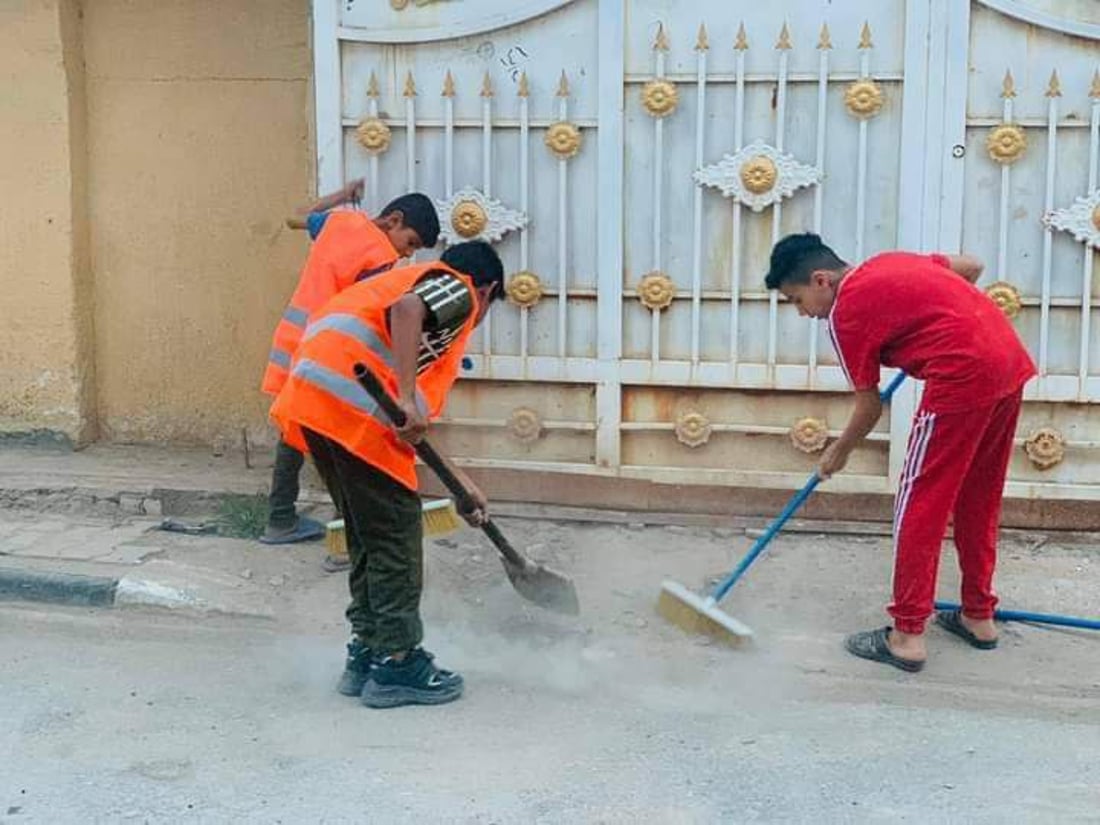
<point>198,146</point>
<point>46,356</point>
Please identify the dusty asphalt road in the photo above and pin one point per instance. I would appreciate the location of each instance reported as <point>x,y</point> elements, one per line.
<point>132,716</point>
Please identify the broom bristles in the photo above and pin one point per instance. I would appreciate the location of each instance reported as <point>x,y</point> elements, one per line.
<point>691,613</point>
<point>438,517</point>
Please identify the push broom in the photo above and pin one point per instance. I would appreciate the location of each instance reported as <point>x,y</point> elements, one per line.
<point>700,615</point>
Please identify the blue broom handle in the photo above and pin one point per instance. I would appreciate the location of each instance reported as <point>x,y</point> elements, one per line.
<point>797,501</point>
<point>1040,618</point>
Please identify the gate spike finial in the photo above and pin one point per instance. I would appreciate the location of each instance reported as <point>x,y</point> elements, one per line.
<point>372,86</point>
<point>824,42</point>
<point>523,90</point>
<point>784,42</point>
<point>1094,92</point>
<point>448,85</point>
<point>865,36</point>
<point>741,44</point>
<point>1008,86</point>
<point>660,43</point>
<point>1055,87</point>
<point>487,86</point>
<point>702,44</point>
<point>410,85</point>
<point>563,85</point>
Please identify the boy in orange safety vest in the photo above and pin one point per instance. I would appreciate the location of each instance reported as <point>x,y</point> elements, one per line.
<point>409,326</point>
<point>349,246</point>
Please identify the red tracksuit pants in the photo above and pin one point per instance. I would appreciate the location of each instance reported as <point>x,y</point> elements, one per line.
<point>955,465</point>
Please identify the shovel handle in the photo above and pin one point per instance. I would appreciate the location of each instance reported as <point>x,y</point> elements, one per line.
<point>428,454</point>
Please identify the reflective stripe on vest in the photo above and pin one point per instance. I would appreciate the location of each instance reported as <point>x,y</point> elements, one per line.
<point>349,390</point>
<point>296,316</point>
<point>280,358</point>
<point>355,328</point>
<point>346,389</point>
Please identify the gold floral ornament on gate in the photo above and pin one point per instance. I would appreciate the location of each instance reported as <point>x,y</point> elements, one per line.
<point>1045,447</point>
<point>524,289</point>
<point>470,215</point>
<point>660,97</point>
<point>373,135</point>
<point>863,98</point>
<point>809,435</point>
<point>563,139</point>
<point>1006,144</point>
<point>1005,296</point>
<point>693,429</point>
<point>656,291</point>
<point>525,425</point>
<point>468,219</point>
<point>759,174</point>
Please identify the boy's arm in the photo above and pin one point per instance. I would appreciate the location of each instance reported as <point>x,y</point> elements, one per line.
<point>406,328</point>
<point>967,266</point>
<point>352,192</point>
<point>863,419</point>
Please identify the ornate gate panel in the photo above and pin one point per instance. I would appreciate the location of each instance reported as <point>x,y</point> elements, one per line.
<point>634,161</point>
<point>1030,206</point>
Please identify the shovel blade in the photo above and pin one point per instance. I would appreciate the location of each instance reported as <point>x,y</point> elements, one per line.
<point>543,586</point>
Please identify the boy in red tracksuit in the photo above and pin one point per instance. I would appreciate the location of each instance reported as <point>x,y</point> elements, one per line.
<point>915,313</point>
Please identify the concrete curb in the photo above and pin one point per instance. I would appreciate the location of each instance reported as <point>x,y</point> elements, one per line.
<point>17,584</point>
<point>57,588</point>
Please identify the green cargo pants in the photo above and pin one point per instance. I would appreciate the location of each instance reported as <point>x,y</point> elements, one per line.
<point>382,524</point>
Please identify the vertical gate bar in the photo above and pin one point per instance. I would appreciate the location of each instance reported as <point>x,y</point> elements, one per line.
<point>1086,275</point>
<point>659,48</point>
<point>784,46</point>
<point>563,226</point>
<point>824,47</point>
<point>487,183</point>
<point>861,168</point>
<point>410,131</point>
<point>609,231</point>
<point>741,45</point>
<point>912,191</point>
<point>701,48</point>
<point>373,200</point>
<point>327,92</point>
<point>1008,92</point>
<point>524,171</point>
<point>1053,93</point>
<point>448,135</point>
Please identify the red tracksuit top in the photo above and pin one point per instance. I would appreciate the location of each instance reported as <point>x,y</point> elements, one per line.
<point>913,312</point>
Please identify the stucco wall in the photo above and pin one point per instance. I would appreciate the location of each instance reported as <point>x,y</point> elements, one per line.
<point>198,147</point>
<point>46,373</point>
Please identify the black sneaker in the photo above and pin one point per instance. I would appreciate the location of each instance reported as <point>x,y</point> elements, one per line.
<point>412,681</point>
<point>356,669</point>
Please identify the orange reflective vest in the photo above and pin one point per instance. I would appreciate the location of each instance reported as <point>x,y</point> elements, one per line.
<point>322,394</point>
<point>350,247</point>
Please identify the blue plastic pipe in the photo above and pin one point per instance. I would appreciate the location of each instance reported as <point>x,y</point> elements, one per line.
<point>797,501</point>
<point>1040,618</point>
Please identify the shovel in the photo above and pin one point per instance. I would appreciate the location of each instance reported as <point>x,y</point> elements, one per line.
<point>535,582</point>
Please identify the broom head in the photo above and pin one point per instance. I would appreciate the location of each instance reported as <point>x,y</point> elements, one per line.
<point>700,616</point>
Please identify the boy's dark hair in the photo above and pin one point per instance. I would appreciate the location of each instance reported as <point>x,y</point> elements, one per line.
<point>419,215</point>
<point>796,256</point>
<point>478,260</point>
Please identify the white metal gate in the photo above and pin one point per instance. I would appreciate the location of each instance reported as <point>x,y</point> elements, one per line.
<point>634,161</point>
